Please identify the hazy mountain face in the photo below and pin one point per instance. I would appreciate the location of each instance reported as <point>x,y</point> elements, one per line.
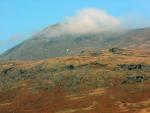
<point>87,29</point>
<point>42,45</point>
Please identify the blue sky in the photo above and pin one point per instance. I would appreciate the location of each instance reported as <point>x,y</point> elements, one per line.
<point>21,18</point>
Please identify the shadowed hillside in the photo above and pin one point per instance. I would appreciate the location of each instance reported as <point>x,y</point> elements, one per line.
<point>43,45</point>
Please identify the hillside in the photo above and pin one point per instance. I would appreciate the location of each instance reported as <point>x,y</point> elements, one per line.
<point>102,81</point>
<point>44,45</point>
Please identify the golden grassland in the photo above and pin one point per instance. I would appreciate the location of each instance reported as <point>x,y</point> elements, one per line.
<point>105,83</point>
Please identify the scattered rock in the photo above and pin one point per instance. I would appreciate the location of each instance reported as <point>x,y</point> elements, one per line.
<point>90,52</point>
<point>95,64</point>
<point>134,66</point>
<point>135,79</point>
<point>52,70</point>
<point>7,71</point>
<point>16,73</point>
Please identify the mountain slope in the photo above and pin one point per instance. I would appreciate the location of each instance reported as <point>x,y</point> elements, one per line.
<point>44,45</point>
<point>139,38</point>
<point>111,82</point>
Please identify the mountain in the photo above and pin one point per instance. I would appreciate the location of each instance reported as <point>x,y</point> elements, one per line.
<point>51,43</point>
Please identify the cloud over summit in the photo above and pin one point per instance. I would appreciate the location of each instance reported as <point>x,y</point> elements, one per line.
<point>92,20</point>
<point>85,21</point>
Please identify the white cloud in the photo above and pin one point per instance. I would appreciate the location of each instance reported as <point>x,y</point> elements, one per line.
<point>85,21</point>
<point>93,20</point>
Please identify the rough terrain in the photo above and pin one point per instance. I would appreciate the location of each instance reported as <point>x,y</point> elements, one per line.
<point>108,81</point>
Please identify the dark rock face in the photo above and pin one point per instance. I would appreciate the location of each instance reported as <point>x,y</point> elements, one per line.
<point>70,67</point>
<point>115,50</point>
<point>134,66</point>
<point>135,79</point>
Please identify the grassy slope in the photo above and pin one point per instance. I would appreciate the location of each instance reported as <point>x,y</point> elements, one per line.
<point>79,84</point>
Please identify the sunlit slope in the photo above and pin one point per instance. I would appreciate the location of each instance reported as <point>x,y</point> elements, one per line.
<point>113,81</point>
